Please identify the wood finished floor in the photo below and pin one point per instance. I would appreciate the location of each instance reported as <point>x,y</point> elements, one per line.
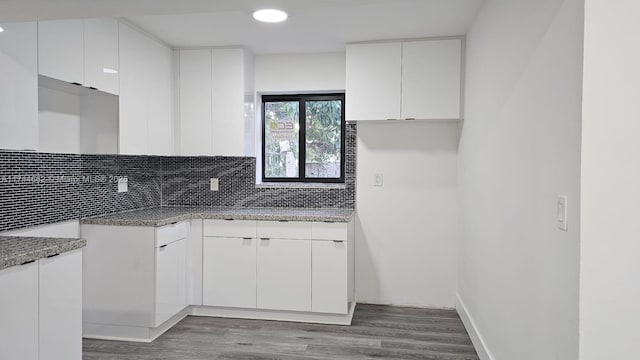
<point>377,332</point>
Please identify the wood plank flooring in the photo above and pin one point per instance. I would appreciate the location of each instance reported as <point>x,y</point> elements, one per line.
<point>377,332</point>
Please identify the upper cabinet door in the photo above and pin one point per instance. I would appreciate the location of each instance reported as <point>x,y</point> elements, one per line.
<point>61,50</point>
<point>431,79</point>
<point>373,81</point>
<point>101,65</point>
<point>19,86</point>
<point>196,131</point>
<point>228,91</point>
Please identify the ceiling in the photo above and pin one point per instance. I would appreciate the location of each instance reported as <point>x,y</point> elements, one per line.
<point>313,25</point>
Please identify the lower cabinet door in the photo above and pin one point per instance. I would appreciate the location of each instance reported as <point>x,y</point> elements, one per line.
<point>61,307</point>
<point>329,277</point>
<point>284,274</point>
<point>19,312</point>
<point>229,272</point>
<point>171,280</point>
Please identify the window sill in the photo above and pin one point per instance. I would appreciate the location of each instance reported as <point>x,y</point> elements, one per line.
<point>293,185</point>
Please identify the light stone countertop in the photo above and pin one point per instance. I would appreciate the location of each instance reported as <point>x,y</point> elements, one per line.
<point>160,216</point>
<point>18,250</point>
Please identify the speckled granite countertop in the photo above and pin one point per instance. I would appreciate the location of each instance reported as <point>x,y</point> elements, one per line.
<point>160,216</point>
<point>17,250</point>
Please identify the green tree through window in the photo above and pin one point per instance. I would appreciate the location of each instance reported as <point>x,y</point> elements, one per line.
<point>319,120</point>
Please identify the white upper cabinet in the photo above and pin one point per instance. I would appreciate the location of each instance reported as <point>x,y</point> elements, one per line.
<point>61,50</point>
<point>19,86</point>
<point>214,87</point>
<point>101,63</point>
<point>195,103</point>
<point>145,126</point>
<point>431,79</point>
<point>373,81</point>
<point>82,52</point>
<point>404,80</point>
<point>228,93</point>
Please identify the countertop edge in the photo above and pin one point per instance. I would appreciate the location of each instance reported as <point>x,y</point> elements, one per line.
<point>41,253</point>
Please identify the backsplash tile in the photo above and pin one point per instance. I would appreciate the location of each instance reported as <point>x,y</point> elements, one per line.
<point>44,188</point>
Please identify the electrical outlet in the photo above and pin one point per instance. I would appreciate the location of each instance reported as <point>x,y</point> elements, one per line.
<point>562,212</point>
<point>214,184</point>
<point>123,184</point>
<point>378,180</point>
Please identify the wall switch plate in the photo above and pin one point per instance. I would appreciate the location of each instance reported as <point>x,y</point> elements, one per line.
<point>562,212</point>
<point>378,180</point>
<point>214,184</point>
<point>123,184</point>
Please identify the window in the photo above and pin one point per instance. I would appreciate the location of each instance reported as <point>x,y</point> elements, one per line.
<point>303,138</point>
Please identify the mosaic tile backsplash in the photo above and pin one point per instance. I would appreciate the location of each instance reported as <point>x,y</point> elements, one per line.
<point>44,188</point>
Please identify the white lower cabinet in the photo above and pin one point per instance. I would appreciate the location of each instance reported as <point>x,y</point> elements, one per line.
<point>329,277</point>
<point>135,280</point>
<point>171,280</point>
<point>19,312</point>
<point>60,307</point>
<point>41,309</point>
<point>229,272</point>
<point>284,274</point>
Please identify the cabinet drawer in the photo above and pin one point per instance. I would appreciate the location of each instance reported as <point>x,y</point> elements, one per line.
<point>170,233</point>
<point>230,228</point>
<point>329,231</point>
<point>284,230</point>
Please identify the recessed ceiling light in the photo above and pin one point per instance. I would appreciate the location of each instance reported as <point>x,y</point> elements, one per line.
<point>270,15</point>
<point>1,29</point>
<point>109,71</point>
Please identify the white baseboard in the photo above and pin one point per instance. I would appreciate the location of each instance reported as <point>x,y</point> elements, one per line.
<point>472,329</point>
<point>147,335</point>
<point>259,314</point>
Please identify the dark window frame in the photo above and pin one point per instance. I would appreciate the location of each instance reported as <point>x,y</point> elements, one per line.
<point>302,136</point>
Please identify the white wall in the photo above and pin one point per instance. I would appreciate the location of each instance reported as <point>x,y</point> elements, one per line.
<point>610,198</point>
<point>58,121</point>
<point>520,149</point>
<point>300,72</point>
<point>99,124</point>
<point>407,230</point>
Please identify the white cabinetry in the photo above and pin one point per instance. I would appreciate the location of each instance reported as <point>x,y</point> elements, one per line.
<point>284,274</point>
<point>145,95</point>
<point>214,87</point>
<point>19,86</point>
<point>373,85</point>
<point>60,307</point>
<point>229,269</point>
<point>404,80</point>
<point>101,63</point>
<point>329,269</point>
<point>301,269</point>
<point>134,280</point>
<point>41,309</point>
<point>61,50</point>
<point>171,280</point>
<point>19,312</point>
<point>431,79</point>
<point>195,103</point>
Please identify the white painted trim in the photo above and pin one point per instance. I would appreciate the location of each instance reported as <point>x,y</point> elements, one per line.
<point>147,335</point>
<point>472,329</point>
<point>131,333</point>
<point>259,314</point>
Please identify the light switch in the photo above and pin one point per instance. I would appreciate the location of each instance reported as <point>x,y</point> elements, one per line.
<point>562,212</point>
<point>123,184</point>
<point>378,180</point>
<point>215,184</point>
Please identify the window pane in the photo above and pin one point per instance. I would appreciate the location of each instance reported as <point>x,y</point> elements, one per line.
<point>323,139</point>
<point>282,126</point>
